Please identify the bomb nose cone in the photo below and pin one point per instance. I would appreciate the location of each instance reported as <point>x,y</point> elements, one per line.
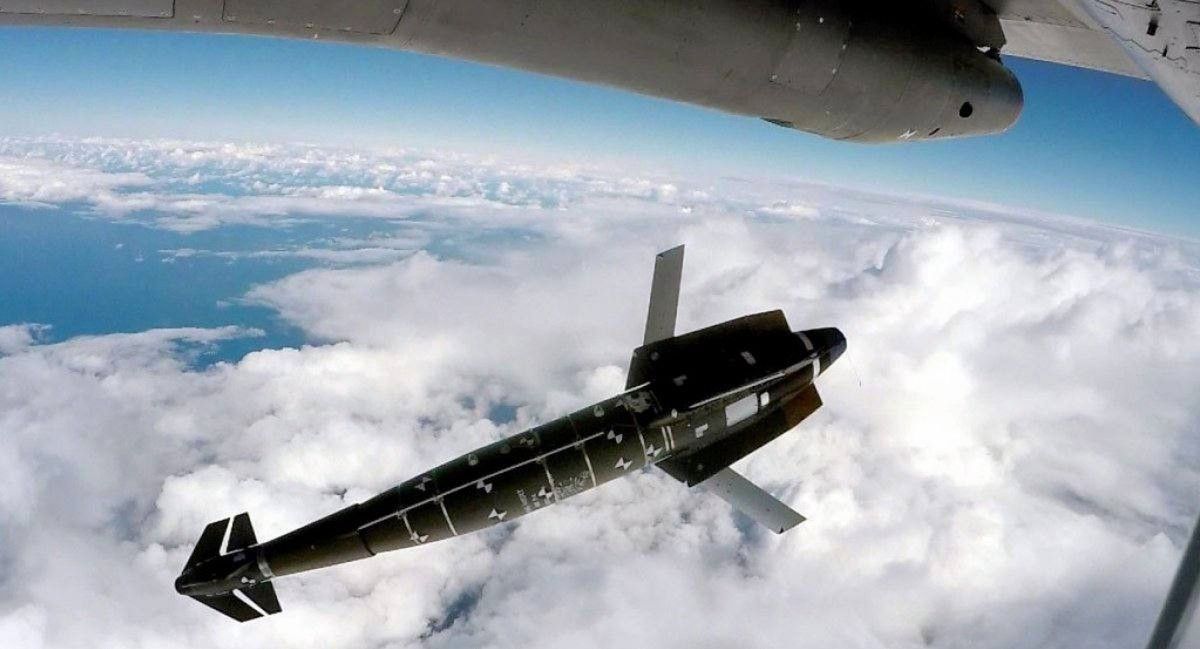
<point>837,345</point>
<point>828,343</point>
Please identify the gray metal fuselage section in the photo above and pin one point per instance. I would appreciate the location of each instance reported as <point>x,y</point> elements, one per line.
<point>859,70</point>
<point>718,393</point>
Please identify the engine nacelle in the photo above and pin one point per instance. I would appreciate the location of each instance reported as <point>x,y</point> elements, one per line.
<point>853,71</point>
<point>859,70</point>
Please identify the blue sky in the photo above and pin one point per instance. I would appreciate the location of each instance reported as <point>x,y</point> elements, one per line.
<point>1088,144</point>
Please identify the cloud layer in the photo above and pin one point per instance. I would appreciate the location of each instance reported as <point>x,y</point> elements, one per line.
<point>1007,455</point>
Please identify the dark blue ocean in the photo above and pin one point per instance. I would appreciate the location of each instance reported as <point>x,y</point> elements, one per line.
<point>84,275</point>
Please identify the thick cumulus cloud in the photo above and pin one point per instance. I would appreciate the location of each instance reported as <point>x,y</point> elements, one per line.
<point>1007,455</point>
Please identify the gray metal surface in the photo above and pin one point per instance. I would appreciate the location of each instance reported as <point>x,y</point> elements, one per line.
<point>974,19</point>
<point>664,295</point>
<point>845,69</point>
<point>1047,12</point>
<point>1162,37</point>
<point>1156,39</point>
<point>99,8</point>
<point>751,500</point>
<point>1074,46</point>
<point>360,16</point>
<point>1178,626</point>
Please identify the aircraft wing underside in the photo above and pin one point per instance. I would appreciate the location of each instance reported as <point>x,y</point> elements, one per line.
<point>1046,30</point>
<point>1157,40</point>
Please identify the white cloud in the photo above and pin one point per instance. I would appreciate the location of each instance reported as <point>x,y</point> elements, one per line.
<point>1006,455</point>
<point>40,182</point>
<point>375,249</point>
<point>193,186</point>
<point>16,338</point>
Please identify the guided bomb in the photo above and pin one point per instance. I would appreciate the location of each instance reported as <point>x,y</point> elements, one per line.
<point>693,405</point>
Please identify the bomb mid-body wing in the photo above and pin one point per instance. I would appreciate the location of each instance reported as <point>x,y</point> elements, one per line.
<point>709,466</point>
<point>743,383</point>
